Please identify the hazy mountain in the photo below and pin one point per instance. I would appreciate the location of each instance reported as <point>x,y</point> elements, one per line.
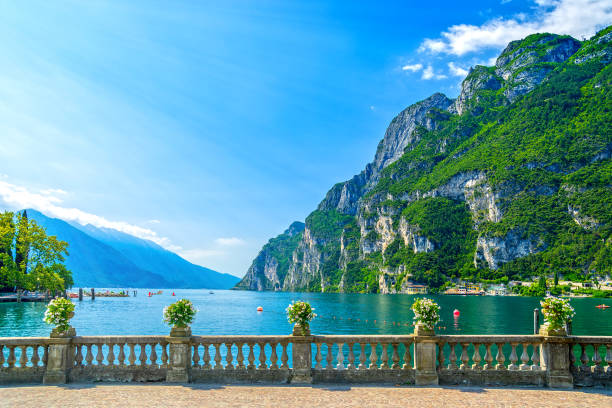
<point>109,258</point>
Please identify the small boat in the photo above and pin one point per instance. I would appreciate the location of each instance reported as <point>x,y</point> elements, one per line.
<point>211,293</point>
<point>73,295</point>
<point>602,306</point>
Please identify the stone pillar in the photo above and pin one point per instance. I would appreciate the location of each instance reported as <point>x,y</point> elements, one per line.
<point>179,342</point>
<point>425,346</point>
<point>301,355</point>
<point>80,294</point>
<point>93,294</point>
<point>59,357</point>
<point>555,360</point>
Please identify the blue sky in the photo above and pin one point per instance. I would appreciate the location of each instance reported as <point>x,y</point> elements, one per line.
<point>209,127</point>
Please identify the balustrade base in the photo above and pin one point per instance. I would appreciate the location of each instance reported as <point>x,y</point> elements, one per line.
<point>54,377</point>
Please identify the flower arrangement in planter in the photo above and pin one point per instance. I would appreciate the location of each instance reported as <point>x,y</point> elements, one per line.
<point>300,313</point>
<point>59,312</point>
<point>179,315</point>
<point>557,312</point>
<point>426,316</point>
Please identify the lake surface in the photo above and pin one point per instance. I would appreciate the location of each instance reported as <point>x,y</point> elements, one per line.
<point>234,312</point>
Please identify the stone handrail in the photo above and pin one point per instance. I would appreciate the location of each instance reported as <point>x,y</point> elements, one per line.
<point>554,361</point>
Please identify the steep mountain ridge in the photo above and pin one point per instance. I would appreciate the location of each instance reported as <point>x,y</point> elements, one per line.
<point>512,178</point>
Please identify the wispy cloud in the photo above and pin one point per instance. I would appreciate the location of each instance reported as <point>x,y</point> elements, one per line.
<point>429,73</point>
<point>232,241</point>
<point>413,67</point>
<point>579,18</point>
<point>47,202</point>
<point>456,70</point>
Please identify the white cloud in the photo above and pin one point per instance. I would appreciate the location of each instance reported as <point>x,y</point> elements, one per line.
<point>153,222</point>
<point>18,197</point>
<point>428,73</point>
<point>413,67</point>
<point>232,241</point>
<point>457,71</point>
<point>579,18</point>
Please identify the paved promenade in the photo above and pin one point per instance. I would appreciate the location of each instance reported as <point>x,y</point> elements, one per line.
<point>163,395</point>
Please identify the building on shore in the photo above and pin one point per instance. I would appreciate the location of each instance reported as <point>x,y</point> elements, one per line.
<point>497,290</point>
<point>414,289</point>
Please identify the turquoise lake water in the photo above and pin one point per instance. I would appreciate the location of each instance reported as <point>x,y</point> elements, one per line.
<point>235,312</point>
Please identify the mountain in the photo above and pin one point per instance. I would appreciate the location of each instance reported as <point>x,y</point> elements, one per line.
<point>109,258</point>
<point>511,179</point>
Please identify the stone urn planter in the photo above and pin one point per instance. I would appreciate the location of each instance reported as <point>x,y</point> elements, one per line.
<point>56,334</point>
<point>299,330</point>
<point>422,330</point>
<point>547,331</point>
<point>180,331</point>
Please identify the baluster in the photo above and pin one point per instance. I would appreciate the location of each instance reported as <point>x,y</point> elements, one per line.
<point>477,359</point>
<point>121,356</point>
<point>440,355</point>
<point>99,354</point>
<point>452,357</point>
<point>153,356</point>
<point>513,358</point>
<point>229,357</point>
<point>240,357</point>
<point>351,357</point>
<point>597,368</point>
<point>384,357</point>
<point>143,354</point>
<point>251,357</point>
<point>11,357</point>
<point>262,357</point>
<point>89,355</point>
<point>524,358</point>
<point>465,359</point>
<point>608,358</point>
<point>1,355</point>
<point>318,357</point>
<point>195,358</point>
<point>23,358</point>
<point>329,357</point>
<point>488,357</point>
<point>395,356</point>
<point>78,355</point>
<point>407,356</point>
<point>218,365</point>
<point>501,359</point>
<point>340,357</point>
<point>164,357</point>
<point>35,357</point>
<point>535,357</point>
<point>206,357</point>
<point>362,356</point>
<point>273,357</point>
<point>45,354</point>
<point>132,356</point>
<point>584,359</point>
<point>373,357</point>
<point>284,356</point>
<point>111,354</point>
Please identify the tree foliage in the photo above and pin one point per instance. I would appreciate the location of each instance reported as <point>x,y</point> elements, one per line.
<point>29,258</point>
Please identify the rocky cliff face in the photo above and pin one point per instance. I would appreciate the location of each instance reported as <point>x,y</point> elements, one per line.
<point>468,187</point>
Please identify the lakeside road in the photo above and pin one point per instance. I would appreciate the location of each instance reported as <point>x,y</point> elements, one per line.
<point>206,395</point>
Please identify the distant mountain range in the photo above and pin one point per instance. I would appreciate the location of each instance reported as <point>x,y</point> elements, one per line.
<point>103,257</point>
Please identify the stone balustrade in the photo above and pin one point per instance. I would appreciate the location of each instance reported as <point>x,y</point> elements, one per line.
<point>554,361</point>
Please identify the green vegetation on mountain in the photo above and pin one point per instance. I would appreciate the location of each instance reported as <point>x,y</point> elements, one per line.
<point>512,180</point>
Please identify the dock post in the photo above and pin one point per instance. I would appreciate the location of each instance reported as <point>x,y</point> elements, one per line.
<point>93,294</point>
<point>80,294</point>
<point>135,293</point>
<point>18,295</point>
<point>536,321</point>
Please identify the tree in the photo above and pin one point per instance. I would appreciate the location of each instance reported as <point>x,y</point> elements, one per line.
<point>556,278</point>
<point>542,282</point>
<point>29,258</point>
